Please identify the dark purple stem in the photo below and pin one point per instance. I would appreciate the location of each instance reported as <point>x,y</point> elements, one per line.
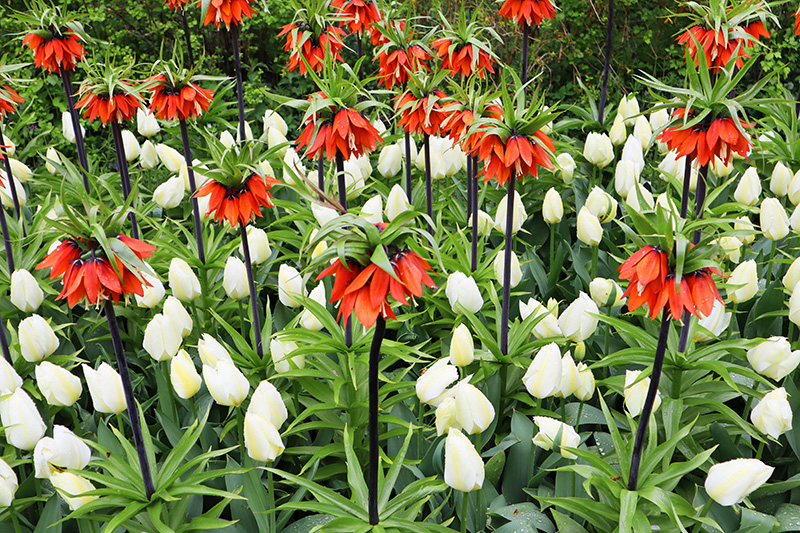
<point>198,228</point>
<point>4,342</point>
<point>76,126</point>
<point>409,184</point>
<point>428,186</point>
<point>525,38</point>
<point>10,179</point>
<point>239,90</point>
<point>348,330</point>
<point>122,163</point>
<point>607,64</point>
<point>374,440</point>
<point>253,295</point>
<point>507,266</point>
<point>187,37</point>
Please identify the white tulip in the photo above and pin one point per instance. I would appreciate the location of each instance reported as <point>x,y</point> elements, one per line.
<point>585,389</point>
<point>146,123</point>
<point>624,177</point>
<point>731,482</point>
<point>67,483</point>
<point>226,383</point>
<point>291,288</point>
<point>396,202</point>
<point>268,403</point>
<point>183,375</point>
<point>501,214</point>
<point>434,380</point>
<point>9,379</point>
<point>774,222</point>
<point>780,179</point>
<point>67,128</point>
<point>8,484</point>
<point>105,388</point>
<point>64,450</point>
<point>743,283</point>
<point>37,340</point>
<point>549,429</point>
<point>390,161</point>
<point>170,193</point>
<point>716,322</point>
<point>642,131</point>
<point>598,150</point>
<point>211,351</point>
<point>566,167</point>
<point>498,266</point>
<point>162,340</point>
<point>462,347</point>
<point>617,133</point>
<point>148,157</point>
<point>463,466</point>
<point>373,210</point>
<point>635,393</point>
<point>59,386</point>
<point>281,352</point>
<point>552,207</point>
<point>22,423</point>
<point>462,293</point>
<point>307,318</point>
<point>590,231</point>
<point>183,281</point>
<point>773,414</point>
<point>543,377</point>
<point>174,309</point>
<point>261,438</point>
<point>749,188</point>
<point>26,295</point>
<point>234,279</point>
<point>131,146</point>
<point>170,158</point>
<point>632,151</point>
<point>547,326</point>
<point>774,358</point>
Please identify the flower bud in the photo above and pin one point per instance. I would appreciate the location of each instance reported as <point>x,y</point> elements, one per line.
<point>8,484</point>
<point>67,128</point>
<point>590,232</point>
<point>628,109</point>
<point>603,289</point>
<point>261,439</point>
<point>26,294</point>
<point>273,121</point>
<point>743,283</point>
<point>632,151</point>
<point>184,376</point>
<point>51,155</point>
<point>170,193</point>
<point>462,348</point>
<point>434,380</point>
<point>543,377</point>
<point>463,466</point>
<point>566,167</point>
<point>59,386</point>
<point>624,177</point>
<point>794,219</point>
<point>148,157</point>
<point>549,428</point>
<point>438,166</point>
<point>636,392</point>
<point>131,146</point>
<point>462,293</point>
<point>659,119</point>
<point>552,208</point>
<point>743,224</point>
<point>211,351</point>
<point>673,166</point>
<point>412,145</point>
<point>547,326</point>
<point>37,340</point>
<point>22,423</point>
<point>749,188</point>
<point>373,210</point>
<point>20,170</point>
<point>182,280</point>
<point>485,223</point>
<point>68,483</point>
<point>585,389</point>
<point>642,131</point>
<point>570,377</point>
<point>501,214</point>
<point>780,179</point>
<point>105,388</point>
<point>281,352</point>
<point>716,322</point>
<point>396,203</point>
<point>170,158</point>
<point>146,123</point>
<point>446,416</point>
<point>474,411</point>
<point>234,279</point>
<point>64,450</point>
<point>731,482</point>
<point>259,245</point>
<point>390,161</point>
<point>774,222</point>
<point>792,275</point>
<point>307,319</point>
<point>598,149</point>
<point>268,403</point>
<point>151,294</point>
<point>618,134</point>
<point>634,196</point>
<point>9,379</point>
<point>774,358</point>
<point>730,248</point>
<point>226,383</point>
<point>354,175</point>
<point>10,147</point>
<point>161,338</point>
<point>323,214</point>
<point>516,271</point>
<point>174,309</point>
<point>773,414</point>
<point>601,204</point>
<point>226,138</point>
<point>291,289</point>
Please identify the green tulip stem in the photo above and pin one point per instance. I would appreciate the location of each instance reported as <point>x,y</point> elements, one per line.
<point>760,450</point>
<point>7,241</point>
<point>552,243</point>
<point>187,37</point>
<point>76,127</point>
<point>607,335</point>
<point>792,333</point>
<point>253,294</point>
<point>15,520</point>
<point>374,438</point>
<point>677,379</point>
<point>9,180</point>
<point>130,401</point>
<point>198,228</point>
<point>237,61</point>
<point>271,501</point>
<point>504,314</point>
<point>464,511</point>
<point>595,255</point>
<point>420,426</point>
<point>706,508</point>
<point>769,262</point>
<point>241,315</point>
<point>647,409</point>
<point>580,413</point>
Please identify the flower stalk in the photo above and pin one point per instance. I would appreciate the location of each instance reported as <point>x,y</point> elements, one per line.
<point>409,185</point>
<point>76,127</point>
<point>7,241</point>
<point>133,412</point>
<point>507,266</point>
<point>374,441</point>
<point>253,295</point>
<point>526,29</point>
<point>348,330</point>
<point>237,61</point>
<point>607,64</point>
<point>122,163</point>
<point>4,342</point>
<point>187,155</point>
<point>10,179</point>
<point>428,187</point>
<point>187,37</point>
<point>647,409</point>
<point>472,180</point>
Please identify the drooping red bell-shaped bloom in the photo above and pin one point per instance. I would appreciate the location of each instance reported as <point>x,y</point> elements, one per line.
<point>530,12</point>
<point>303,44</point>
<point>238,204</point>
<point>418,116</point>
<point>717,45</point>
<point>463,59</point>
<point>797,21</point>
<point>396,65</point>
<point>347,131</point>
<point>227,12</point>
<point>118,107</point>
<point>9,98</point>
<point>518,156</point>
<point>702,142</point>
<point>457,125</point>
<point>175,4</point>
<point>55,53</point>
<point>169,102</point>
<point>359,15</point>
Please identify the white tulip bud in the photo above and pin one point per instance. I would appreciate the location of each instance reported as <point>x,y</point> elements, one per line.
<point>273,121</point>
<point>174,309</point>
<point>211,351</point>
<point>633,198</point>
<point>226,383</point>
<point>570,377</point>
<point>485,223</point>
<point>131,146</point>
<point>624,177</point>
<point>474,412</point>
<point>601,204</point>
<point>773,414</point>
<point>628,109</point>
<point>446,416</point>
<point>501,214</point>
<point>462,347</point>
<point>170,158</point>
<point>64,450</point>
<point>26,294</point>
<point>182,280</point>
<point>8,484</point>
<point>552,208</point>
<point>37,340</point>
<point>434,380</point>
<point>373,210</point>
<point>635,393</point>
<point>390,161</point>
<point>396,202</point>
<point>543,377</point>
<point>146,123</point>
<point>9,379</point>
<point>602,289</point>
<point>234,279</point>
<point>268,403</point>
<point>105,388</point>
<point>715,323</point>
<point>148,157</point>
<point>184,376</point>
<point>642,131</point>
<point>5,192</point>
<point>774,358</point>
<point>548,325</point>
<point>730,248</point>
<point>780,179</point>
<point>170,193</point>
<point>731,482</point>
<point>743,283</point>
<point>516,271</point>
<point>22,423</point>
<point>566,167</point>
<point>67,483</point>
<point>462,293</point>
<point>598,150</point>
<point>261,439</point>
<point>67,128</point>
<point>549,428</point>
<point>590,231</point>
<point>307,319</point>
<point>749,188</point>
<point>59,386</point>
<point>463,466</point>
<point>281,352</point>
<point>52,155</point>
<point>774,222</point>
<point>291,289</point>
<point>585,389</point>
<point>162,340</point>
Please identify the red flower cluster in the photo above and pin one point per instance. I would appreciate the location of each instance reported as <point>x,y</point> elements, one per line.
<point>359,15</point>
<point>702,142</point>
<point>457,125</point>
<point>238,205</point>
<point>530,12</point>
<point>520,155</point>
<point>93,279</point>
<point>347,131</point>
<point>419,117</point>
<point>652,283</point>
<point>300,42</point>
<point>175,4</point>
<point>719,50</point>
<point>394,67</point>
<point>8,100</point>
<point>227,11</point>
<point>460,59</point>
<point>365,290</point>
<point>117,108</point>
<point>170,102</point>
<point>55,53</point>
<point>797,21</point>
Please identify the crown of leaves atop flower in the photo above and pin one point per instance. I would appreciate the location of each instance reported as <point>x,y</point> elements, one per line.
<point>314,37</point>
<point>372,262</point>
<point>399,53</point>
<point>109,94</point>
<point>96,260</point>
<point>461,47</point>
<point>724,29</point>
<point>358,15</point>
<point>470,104</point>
<point>238,186</point>
<point>224,11</point>
<point>54,38</point>
<point>334,116</point>
<point>422,107</point>
<point>176,93</point>
<point>707,118</point>
<point>667,270</point>
<point>514,143</point>
<point>530,12</point>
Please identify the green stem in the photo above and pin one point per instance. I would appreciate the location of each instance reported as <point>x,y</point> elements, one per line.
<point>595,253</point>
<point>464,511</point>
<point>677,378</point>
<point>760,450</point>
<point>14,519</point>
<point>580,413</point>
<point>421,425</point>
<point>608,334</point>
<point>552,243</point>
<point>769,262</point>
<point>271,501</point>
<point>703,512</point>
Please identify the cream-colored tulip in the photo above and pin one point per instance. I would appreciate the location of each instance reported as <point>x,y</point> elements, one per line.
<point>433,381</point>
<point>211,351</point>
<point>601,204</point>
<point>498,266</point>
<point>268,403</point>
<point>234,279</point>
<point>8,484</point>
<point>552,207</point>
<point>64,450</point>
<point>170,158</point>
<point>566,167</point>
<point>446,416</point>
<point>774,358</point>
<point>578,322</point>
<point>635,194</point>
<point>148,157</point>
<point>59,386</point>
<point>307,318</point>
<point>273,121</point>
<point>9,379</point>
<point>570,377</point>
<point>71,487</point>
<point>174,309</point>
<point>162,340</point>
<point>636,392</point>
<point>390,160</point>
<point>463,466</point>
<point>37,340</point>
<point>731,482</point>
<point>642,131</point>
<point>105,388</point>
<point>261,438</point>
<point>146,123</point>
<point>773,414</point>
<point>396,202</point>
<point>183,375</point>
<point>183,281</point>
<point>500,216</point>
<point>774,222</point>
<point>151,294</point>
<point>547,326</point>
<point>618,133</point>
<point>549,428</point>
<point>590,231</point>
<point>730,248</point>
<point>462,347</point>
<point>598,149</point>
<point>22,423</point>
<point>716,322</point>
<point>543,377</point>
<point>170,193</point>
<point>226,383</point>
<point>602,289</point>
<point>26,294</point>
<point>585,389</point>
<point>749,188</point>
<point>743,283</point>
<point>463,293</point>
<point>281,352</point>
<point>628,109</point>
<point>291,289</point>
<point>372,211</point>
<point>780,179</point>
<point>624,177</point>
<point>131,146</point>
